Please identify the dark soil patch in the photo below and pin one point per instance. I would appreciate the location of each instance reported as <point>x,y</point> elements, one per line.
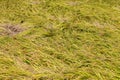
<point>11,30</point>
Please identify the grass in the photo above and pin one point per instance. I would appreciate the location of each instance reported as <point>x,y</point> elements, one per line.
<point>61,40</point>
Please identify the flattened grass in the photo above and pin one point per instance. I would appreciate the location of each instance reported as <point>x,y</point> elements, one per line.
<point>64,40</point>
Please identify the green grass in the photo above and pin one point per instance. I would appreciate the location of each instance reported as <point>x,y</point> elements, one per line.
<point>61,40</point>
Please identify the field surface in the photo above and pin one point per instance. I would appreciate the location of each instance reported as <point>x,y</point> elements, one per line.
<point>59,39</point>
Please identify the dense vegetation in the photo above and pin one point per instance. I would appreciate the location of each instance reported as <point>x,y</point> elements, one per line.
<point>59,39</point>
